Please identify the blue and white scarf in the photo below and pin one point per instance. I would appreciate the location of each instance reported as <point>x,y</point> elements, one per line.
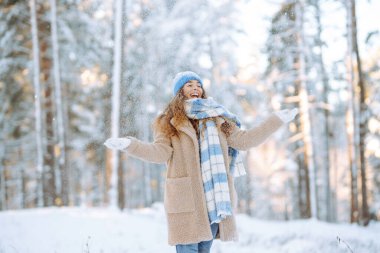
<point>214,173</point>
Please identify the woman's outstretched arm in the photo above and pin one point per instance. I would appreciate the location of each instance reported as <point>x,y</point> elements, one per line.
<point>246,139</point>
<point>159,151</point>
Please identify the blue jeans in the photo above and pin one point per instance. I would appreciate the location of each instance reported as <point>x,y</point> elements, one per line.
<point>201,247</point>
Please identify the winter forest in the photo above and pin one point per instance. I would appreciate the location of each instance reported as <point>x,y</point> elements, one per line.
<point>76,72</point>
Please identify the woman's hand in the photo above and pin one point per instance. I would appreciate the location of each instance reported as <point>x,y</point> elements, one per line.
<point>287,115</point>
<point>117,143</point>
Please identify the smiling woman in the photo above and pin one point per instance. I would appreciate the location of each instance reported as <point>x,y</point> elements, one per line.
<point>199,139</point>
<point>192,89</point>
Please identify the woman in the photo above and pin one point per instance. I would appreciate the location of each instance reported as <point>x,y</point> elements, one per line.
<point>199,140</point>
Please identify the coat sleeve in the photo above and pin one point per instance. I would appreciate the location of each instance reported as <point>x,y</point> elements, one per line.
<point>159,151</point>
<point>246,139</point>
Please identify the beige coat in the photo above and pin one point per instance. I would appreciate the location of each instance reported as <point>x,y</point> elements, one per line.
<point>184,198</point>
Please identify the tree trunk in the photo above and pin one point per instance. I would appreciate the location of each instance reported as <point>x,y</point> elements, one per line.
<point>304,110</point>
<point>248,186</point>
<point>49,175</point>
<point>49,161</point>
<point>303,187</point>
<point>325,126</point>
<point>120,186</point>
<point>24,188</point>
<point>61,153</point>
<point>118,46</point>
<point>37,101</point>
<point>144,118</point>
<point>352,123</point>
<point>363,119</point>
<point>3,200</point>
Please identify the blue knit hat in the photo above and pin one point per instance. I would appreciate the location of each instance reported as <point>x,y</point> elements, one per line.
<point>183,77</point>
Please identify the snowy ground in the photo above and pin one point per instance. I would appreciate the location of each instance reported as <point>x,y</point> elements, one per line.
<point>83,230</point>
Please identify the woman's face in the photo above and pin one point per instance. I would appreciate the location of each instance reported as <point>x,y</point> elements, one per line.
<point>192,89</point>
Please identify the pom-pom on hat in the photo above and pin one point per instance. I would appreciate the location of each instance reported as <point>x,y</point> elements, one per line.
<point>183,77</point>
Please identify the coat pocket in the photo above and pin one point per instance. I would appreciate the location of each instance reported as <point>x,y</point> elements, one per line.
<point>179,195</point>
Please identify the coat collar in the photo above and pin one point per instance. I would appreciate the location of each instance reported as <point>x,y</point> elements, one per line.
<point>185,127</point>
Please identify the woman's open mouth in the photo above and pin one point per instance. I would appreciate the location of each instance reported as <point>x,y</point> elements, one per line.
<point>194,95</point>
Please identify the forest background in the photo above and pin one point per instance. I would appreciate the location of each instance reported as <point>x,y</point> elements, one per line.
<point>76,72</point>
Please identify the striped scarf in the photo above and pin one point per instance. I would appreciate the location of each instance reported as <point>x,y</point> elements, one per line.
<point>214,173</point>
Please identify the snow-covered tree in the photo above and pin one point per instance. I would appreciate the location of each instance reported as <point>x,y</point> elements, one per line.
<point>18,153</point>
<point>85,50</point>
<point>283,56</point>
<point>295,50</point>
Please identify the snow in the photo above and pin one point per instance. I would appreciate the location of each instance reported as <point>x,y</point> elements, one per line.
<point>144,230</point>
